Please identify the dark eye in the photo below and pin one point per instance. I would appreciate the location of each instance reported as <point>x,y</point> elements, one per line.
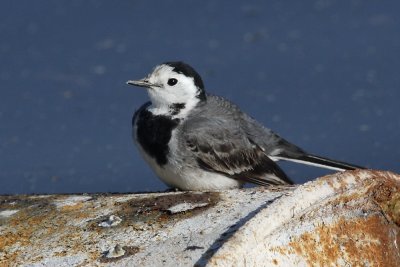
<point>172,81</point>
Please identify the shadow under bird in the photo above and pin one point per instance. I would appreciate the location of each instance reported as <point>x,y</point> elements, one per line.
<point>197,141</point>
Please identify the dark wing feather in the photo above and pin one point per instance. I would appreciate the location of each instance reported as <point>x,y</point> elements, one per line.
<point>231,152</point>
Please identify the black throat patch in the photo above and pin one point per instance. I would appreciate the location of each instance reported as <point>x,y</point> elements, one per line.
<point>154,133</point>
<point>176,108</point>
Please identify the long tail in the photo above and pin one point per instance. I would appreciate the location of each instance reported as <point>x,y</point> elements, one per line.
<point>317,161</point>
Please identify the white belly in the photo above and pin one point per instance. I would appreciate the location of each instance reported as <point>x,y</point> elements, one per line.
<point>190,178</point>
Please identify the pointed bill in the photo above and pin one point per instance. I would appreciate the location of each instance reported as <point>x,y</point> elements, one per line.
<point>141,83</point>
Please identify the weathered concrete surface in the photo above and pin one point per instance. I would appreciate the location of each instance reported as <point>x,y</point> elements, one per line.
<point>132,229</point>
<point>347,219</point>
<point>344,219</point>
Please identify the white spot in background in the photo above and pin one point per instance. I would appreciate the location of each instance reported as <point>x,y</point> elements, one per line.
<point>213,44</point>
<point>270,98</point>
<point>379,112</point>
<point>99,69</point>
<point>379,19</point>
<point>371,50</point>
<point>282,47</point>
<point>261,76</point>
<point>322,4</point>
<point>359,94</point>
<point>371,76</point>
<point>55,178</point>
<point>5,75</point>
<point>71,171</point>
<point>67,94</point>
<point>121,48</point>
<point>319,68</point>
<point>15,139</point>
<point>105,44</point>
<point>32,28</point>
<point>364,128</point>
<point>250,10</point>
<point>294,34</point>
<point>252,37</point>
<point>276,118</point>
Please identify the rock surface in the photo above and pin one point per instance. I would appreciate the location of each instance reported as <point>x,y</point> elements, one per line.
<point>343,219</point>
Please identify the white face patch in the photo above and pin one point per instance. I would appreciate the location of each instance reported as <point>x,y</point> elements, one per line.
<point>167,92</point>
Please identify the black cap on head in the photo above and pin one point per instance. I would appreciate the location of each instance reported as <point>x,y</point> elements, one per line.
<point>185,69</point>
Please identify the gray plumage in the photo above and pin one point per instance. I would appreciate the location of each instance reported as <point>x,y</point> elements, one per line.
<point>223,139</point>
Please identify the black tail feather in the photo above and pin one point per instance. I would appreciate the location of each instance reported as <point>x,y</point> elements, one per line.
<point>327,163</point>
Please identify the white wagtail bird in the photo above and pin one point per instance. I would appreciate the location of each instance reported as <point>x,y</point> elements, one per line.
<point>197,141</point>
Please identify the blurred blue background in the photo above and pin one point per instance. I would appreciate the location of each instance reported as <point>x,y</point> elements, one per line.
<point>323,74</point>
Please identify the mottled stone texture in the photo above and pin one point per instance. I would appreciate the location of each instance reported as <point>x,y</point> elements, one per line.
<point>343,219</point>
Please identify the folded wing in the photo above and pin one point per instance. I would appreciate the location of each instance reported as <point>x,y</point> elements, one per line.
<point>219,146</point>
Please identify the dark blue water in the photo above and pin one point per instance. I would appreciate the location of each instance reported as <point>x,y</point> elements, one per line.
<point>324,74</point>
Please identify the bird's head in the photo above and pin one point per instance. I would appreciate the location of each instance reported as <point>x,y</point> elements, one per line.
<point>173,84</point>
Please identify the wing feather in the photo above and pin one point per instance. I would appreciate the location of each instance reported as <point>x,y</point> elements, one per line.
<point>221,147</point>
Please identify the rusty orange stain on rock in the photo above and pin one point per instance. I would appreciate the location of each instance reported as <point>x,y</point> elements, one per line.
<point>361,241</point>
<point>370,240</point>
<point>21,235</point>
<point>73,207</point>
<point>392,208</point>
<point>38,218</point>
<point>387,194</point>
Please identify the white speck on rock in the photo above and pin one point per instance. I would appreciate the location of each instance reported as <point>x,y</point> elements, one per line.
<point>115,252</point>
<point>7,213</point>
<point>181,207</point>
<point>71,201</point>
<point>111,222</point>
